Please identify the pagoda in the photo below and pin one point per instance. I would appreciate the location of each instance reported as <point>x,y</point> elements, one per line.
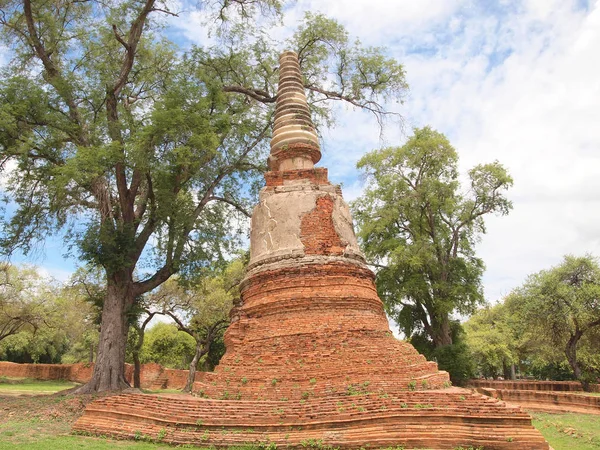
<point>310,358</point>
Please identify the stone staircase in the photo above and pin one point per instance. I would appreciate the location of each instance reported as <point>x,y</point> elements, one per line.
<point>434,420</point>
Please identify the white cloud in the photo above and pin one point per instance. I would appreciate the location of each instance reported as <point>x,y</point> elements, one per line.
<point>518,85</point>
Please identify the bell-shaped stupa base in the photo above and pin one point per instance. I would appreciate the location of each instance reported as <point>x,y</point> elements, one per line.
<point>311,323</point>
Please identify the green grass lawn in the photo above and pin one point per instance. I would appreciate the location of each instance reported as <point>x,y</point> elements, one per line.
<point>569,431</point>
<point>16,386</point>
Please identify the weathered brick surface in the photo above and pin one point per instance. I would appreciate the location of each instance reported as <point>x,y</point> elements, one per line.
<point>317,231</point>
<point>547,401</point>
<point>79,373</point>
<point>317,176</point>
<point>433,420</point>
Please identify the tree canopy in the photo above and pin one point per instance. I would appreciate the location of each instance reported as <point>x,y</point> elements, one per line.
<point>141,155</point>
<point>419,229</point>
<point>561,306</point>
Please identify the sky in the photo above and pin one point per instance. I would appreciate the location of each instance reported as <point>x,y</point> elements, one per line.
<point>513,81</point>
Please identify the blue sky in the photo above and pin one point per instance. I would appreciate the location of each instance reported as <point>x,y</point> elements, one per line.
<point>513,81</point>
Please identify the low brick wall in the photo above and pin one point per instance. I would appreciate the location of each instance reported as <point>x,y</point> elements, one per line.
<point>560,386</point>
<point>547,401</point>
<point>152,375</point>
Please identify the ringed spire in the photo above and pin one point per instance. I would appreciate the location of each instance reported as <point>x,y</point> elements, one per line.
<point>295,144</point>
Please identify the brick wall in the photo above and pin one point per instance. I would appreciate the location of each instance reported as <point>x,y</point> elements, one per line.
<point>82,372</point>
<point>561,386</point>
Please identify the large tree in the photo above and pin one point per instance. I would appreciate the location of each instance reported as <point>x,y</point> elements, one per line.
<point>138,154</point>
<point>561,306</point>
<point>419,229</point>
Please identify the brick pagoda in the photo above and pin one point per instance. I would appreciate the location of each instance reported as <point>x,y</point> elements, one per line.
<point>310,356</point>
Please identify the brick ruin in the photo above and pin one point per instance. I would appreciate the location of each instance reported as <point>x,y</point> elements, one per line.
<point>310,356</point>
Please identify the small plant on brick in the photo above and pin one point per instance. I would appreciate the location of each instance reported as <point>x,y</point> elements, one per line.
<point>161,434</point>
<point>244,380</point>
<point>403,405</point>
<point>423,405</point>
<point>205,437</point>
<point>447,383</point>
<point>412,385</point>
<point>274,382</point>
<point>313,380</point>
<point>199,422</point>
<point>305,395</point>
<point>424,384</point>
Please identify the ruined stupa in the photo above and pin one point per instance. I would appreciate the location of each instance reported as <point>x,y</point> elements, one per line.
<point>310,357</point>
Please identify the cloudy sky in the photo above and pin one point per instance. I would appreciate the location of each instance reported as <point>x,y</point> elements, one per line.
<point>513,81</point>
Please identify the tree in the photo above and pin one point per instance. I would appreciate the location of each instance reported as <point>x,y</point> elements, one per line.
<point>419,230</point>
<point>561,306</point>
<point>25,300</point>
<point>135,152</point>
<point>202,310</point>
<point>492,341</point>
<point>166,345</point>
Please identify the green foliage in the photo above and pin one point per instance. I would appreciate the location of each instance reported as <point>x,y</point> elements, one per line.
<point>492,340</point>
<point>559,307</point>
<point>456,360</point>
<point>166,345</point>
<point>420,230</point>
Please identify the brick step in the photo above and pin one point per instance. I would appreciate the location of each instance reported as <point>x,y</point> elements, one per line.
<point>451,421</point>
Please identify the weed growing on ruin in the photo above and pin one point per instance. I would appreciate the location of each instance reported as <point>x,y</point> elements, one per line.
<point>423,405</point>
<point>412,385</point>
<point>317,444</point>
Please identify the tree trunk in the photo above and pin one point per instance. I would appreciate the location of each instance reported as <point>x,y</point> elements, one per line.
<point>513,372</point>
<point>201,350</point>
<point>109,370</point>
<point>442,333</point>
<point>137,367</point>
<point>91,353</point>
<point>571,353</point>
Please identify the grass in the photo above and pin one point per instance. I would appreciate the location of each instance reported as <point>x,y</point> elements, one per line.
<point>568,431</point>
<point>18,386</point>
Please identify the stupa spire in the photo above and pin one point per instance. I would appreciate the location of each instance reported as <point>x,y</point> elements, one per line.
<point>295,144</point>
